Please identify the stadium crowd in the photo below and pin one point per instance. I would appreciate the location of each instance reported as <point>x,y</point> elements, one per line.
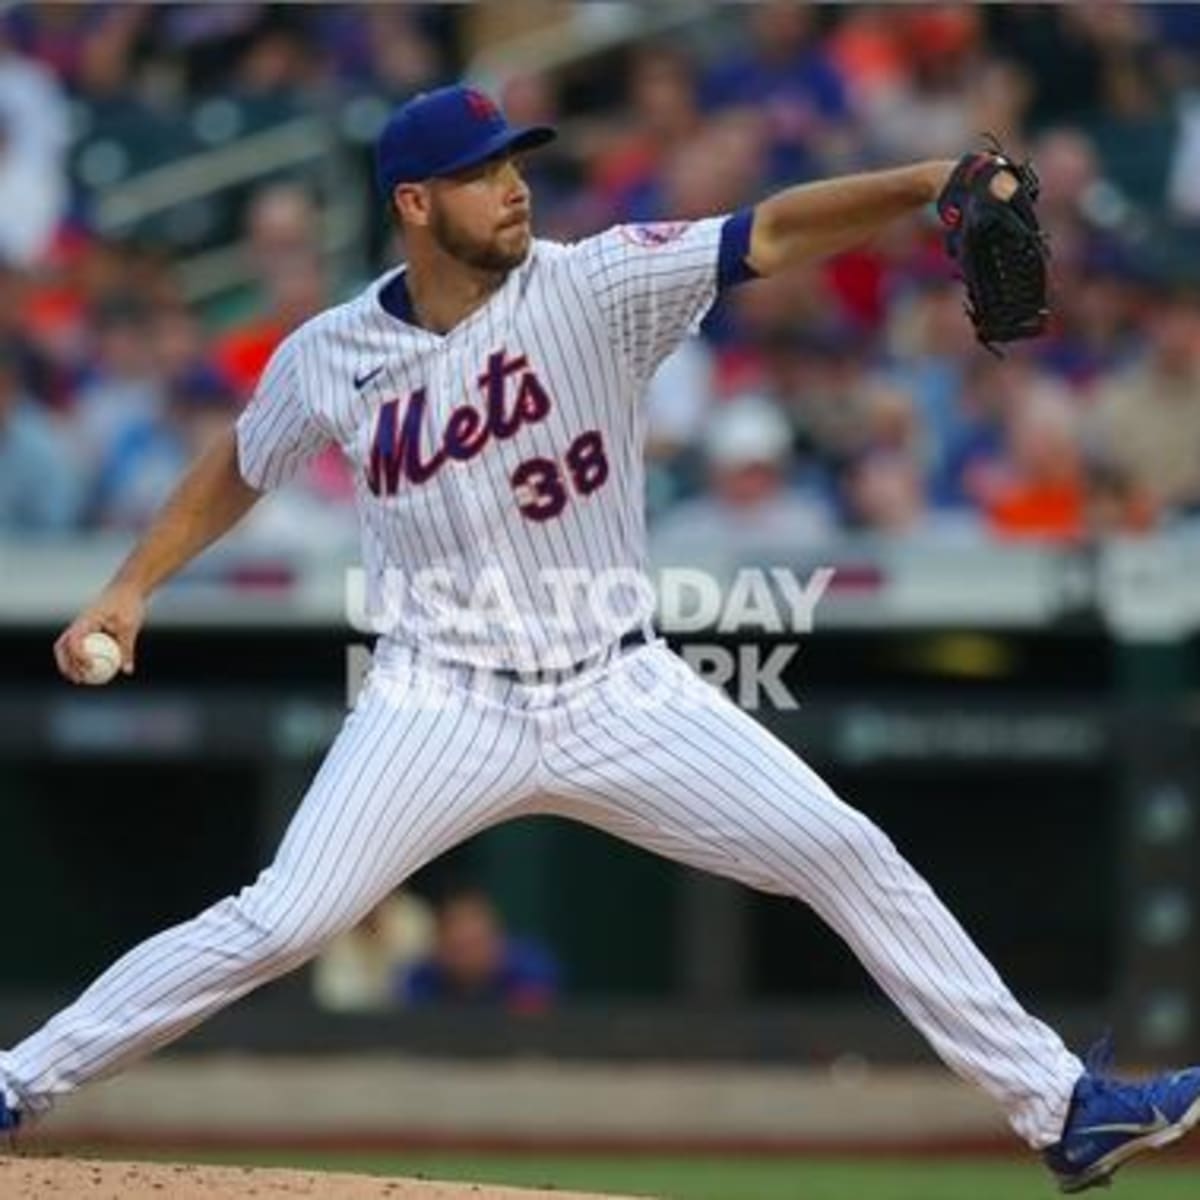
<point>849,396</point>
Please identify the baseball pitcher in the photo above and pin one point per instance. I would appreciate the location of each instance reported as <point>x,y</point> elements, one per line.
<point>487,394</point>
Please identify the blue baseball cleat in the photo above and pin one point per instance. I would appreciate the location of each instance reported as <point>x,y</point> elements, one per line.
<point>1111,1122</point>
<point>10,1118</point>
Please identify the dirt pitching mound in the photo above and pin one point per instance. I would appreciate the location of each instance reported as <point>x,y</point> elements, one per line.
<point>83,1179</point>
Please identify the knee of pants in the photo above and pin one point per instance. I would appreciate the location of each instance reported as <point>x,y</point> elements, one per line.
<point>276,926</point>
<point>837,840</point>
<point>817,857</point>
<point>853,837</point>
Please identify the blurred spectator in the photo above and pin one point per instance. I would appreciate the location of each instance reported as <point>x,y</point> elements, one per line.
<point>1184,182</point>
<point>1036,491</point>
<point>1137,142</point>
<point>205,38</point>
<point>679,398</point>
<point>993,387</point>
<point>282,224</point>
<point>1086,223</point>
<point>148,458</point>
<point>356,971</point>
<point>1068,172</point>
<point>64,303</point>
<point>38,490</point>
<point>489,26</point>
<point>87,46</point>
<point>868,52</point>
<point>294,290</point>
<point>1148,418</point>
<point>678,401</point>
<point>275,67</point>
<point>265,55</point>
<point>33,146</point>
<point>930,113</point>
<point>404,57</point>
<point>109,50</point>
<point>765,312</point>
<point>718,171</point>
<point>1115,505</point>
<point>531,98</point>
<point>787,75</point>
<point>885,497</point>
<point>124,388</point>
<point>820,377</point>
<point>178,341</point>
<point>474,961</point>
<point>1061,56</point>
<point>885,486</point>
<point>999,97</point>
<point>931,340</point>
<point>751,507</point>
<point>60,301</point>
<point>663,113</point>
<point>1018,456</point>
<point>1097,311</point>
<point>890,420</point>
<point>18,331</point>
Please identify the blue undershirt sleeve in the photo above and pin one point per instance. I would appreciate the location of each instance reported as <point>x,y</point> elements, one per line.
<point>732,267</point>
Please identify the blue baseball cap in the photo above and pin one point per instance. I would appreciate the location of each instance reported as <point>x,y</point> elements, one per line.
<point>447,130</point>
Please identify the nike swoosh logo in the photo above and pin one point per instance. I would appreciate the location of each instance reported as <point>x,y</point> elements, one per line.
<point>361,381</point>
<point>1159,1123</point>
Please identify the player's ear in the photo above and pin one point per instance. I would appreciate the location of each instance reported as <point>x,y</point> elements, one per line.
<point>411,203</point>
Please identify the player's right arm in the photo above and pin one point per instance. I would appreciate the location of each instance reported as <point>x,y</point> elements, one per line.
<point>210,499</point>
<point>274,435</point>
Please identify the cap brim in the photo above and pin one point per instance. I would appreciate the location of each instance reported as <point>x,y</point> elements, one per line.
<point>528,137</point>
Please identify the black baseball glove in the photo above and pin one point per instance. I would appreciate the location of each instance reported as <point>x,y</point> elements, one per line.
<point>998,245</point>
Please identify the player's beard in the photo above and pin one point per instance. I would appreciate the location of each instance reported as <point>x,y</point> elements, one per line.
<point>483,256</point>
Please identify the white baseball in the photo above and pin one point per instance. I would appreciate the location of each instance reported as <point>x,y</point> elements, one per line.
<point>103,658</point>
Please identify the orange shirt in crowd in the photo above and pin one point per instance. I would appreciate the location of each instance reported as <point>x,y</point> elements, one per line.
<point>242,353</point>
<point>1042,511</point>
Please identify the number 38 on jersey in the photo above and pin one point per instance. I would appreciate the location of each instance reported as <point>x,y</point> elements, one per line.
<point>541,486</point>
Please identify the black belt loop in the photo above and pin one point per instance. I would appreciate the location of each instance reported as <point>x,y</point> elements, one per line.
<point>640,635</point>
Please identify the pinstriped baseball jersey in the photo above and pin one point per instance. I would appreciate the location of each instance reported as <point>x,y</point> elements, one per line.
<point>498,467</point>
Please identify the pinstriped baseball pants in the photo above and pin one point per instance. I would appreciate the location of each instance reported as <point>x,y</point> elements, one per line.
<point>640,747</point>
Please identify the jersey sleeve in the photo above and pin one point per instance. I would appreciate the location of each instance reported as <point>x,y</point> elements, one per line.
<point>277,431</point>
<point>654,283</point>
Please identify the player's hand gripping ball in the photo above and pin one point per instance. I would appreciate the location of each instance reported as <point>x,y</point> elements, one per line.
<point>103,659</point>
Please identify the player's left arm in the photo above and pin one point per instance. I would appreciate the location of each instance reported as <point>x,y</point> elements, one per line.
<point>653,283</point>
<point>813,220</point>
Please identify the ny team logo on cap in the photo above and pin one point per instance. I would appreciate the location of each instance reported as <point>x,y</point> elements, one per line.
<point>446,130</point>
<point>481,104</point>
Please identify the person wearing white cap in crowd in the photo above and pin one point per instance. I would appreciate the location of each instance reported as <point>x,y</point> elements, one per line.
<point>751,511</point>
